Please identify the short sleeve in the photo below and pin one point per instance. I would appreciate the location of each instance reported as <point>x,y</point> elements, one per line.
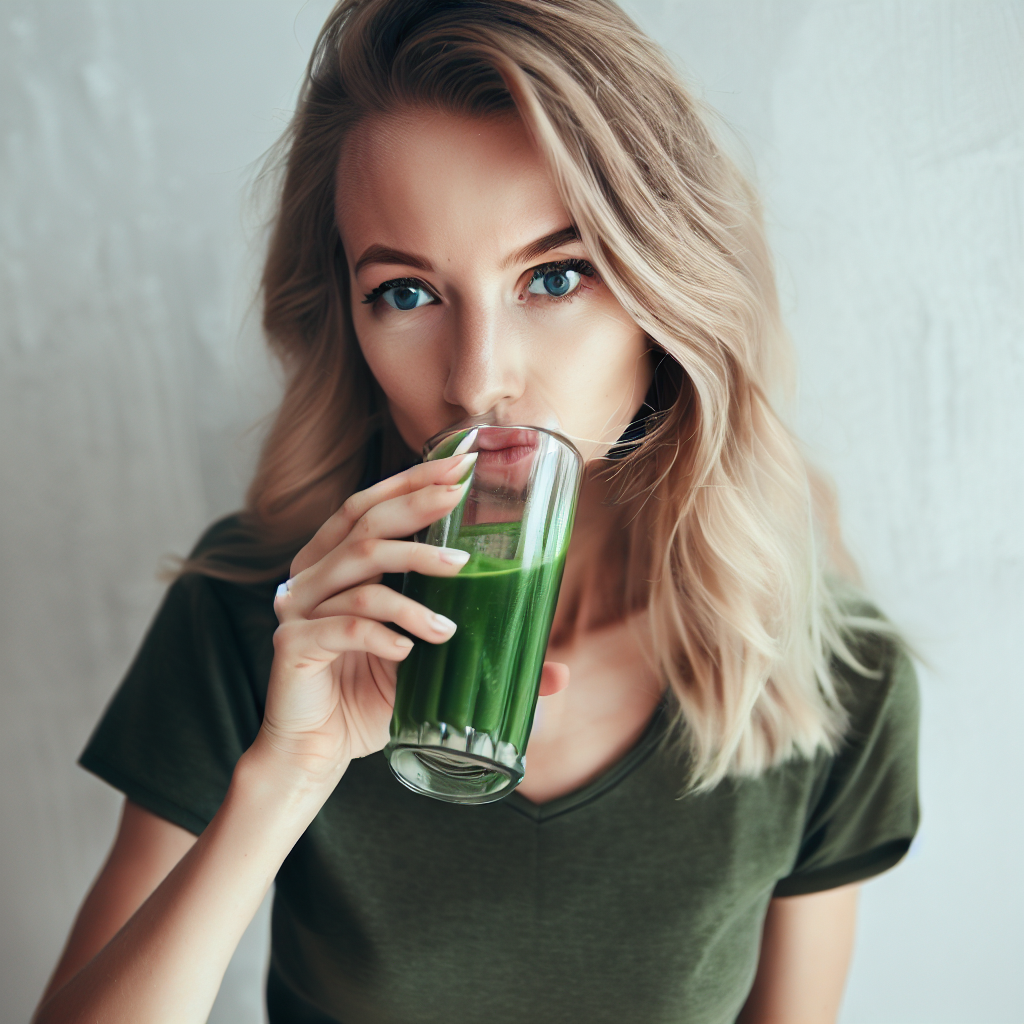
<point>865,812</point>
<point>186,711</point>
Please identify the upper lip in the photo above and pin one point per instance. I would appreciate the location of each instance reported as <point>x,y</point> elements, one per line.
<point>492,439</point>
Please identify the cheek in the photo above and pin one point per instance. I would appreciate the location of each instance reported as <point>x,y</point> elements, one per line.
<point>399,367</point>
<point>598,366</point>
<point>409,372</point>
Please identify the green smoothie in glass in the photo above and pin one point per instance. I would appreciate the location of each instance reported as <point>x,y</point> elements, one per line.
<point>464,708</point>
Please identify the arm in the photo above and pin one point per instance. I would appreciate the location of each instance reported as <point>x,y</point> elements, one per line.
<point>145,850</point>
<point>157,932</point>
<point>805,953</point>
<point>167,961</point>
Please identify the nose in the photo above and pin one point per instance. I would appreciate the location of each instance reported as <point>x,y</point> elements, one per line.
<point>484,370</point>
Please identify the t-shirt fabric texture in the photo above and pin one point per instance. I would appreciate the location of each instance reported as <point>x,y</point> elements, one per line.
<point>622,901</point>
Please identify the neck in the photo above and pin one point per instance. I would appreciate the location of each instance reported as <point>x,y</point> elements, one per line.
<point>596,565</point>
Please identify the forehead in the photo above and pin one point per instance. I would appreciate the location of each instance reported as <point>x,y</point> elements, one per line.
<point>425,181</point>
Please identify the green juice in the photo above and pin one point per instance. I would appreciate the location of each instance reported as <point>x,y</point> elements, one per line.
<point>482,683</point>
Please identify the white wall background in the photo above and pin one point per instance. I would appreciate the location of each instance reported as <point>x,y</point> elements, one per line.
<point>888,136</point>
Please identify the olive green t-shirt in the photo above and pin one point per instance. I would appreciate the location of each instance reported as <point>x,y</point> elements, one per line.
<point>619,902</point>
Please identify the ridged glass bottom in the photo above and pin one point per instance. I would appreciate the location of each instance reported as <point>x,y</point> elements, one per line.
<point>459,766</point>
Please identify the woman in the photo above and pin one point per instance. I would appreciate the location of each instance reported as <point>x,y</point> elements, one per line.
<point>508,208</point>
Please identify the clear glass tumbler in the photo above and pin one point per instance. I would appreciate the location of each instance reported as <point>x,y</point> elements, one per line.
<point>464,708</point>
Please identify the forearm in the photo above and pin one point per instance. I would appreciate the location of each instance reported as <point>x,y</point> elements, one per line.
<point>805,954</point>
<point>167,962</point>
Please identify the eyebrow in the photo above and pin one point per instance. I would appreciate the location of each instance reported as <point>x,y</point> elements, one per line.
<point>384,254</point>
<point>530,252</point>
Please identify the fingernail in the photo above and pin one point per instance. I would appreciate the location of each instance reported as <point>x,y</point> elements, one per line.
<point>453,556</point>
<point>404,642</point>
<point>283,589</point>
<point>467,442</point>
<point>466,470</point>
<point>441,624</point>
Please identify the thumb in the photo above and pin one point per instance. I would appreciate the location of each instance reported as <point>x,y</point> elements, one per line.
<point>554,678</point>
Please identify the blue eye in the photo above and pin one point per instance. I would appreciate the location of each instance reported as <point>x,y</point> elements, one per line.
<point>401,293</point>
<point>557,282</point>
<point>406,296</point>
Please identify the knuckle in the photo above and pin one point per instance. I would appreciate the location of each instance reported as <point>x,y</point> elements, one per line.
<point>366,548</point>
<point>353,629</point>
<point>284,637</point>
<point>362,525</point>
<point>416,502</point>
<point>349,511</point>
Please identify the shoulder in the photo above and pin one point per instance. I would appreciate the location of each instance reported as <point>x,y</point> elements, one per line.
<point>871,778</point>
<point>228,530</point>
<point>235,543</point>
<point>862,807</point>
<point>228,582</point>
<point>232,557</point>
<point>875,679</point>
<point>192,699</point>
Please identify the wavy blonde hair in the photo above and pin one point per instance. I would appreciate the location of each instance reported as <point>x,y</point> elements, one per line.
<point>723,543</point>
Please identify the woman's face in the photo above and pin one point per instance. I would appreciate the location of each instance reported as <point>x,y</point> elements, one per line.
<point>470,292</point>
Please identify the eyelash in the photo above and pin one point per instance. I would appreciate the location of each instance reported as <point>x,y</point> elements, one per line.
<point>398,282</point>
<point>582,267</point>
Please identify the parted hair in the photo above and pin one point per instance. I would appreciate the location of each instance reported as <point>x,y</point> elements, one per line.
<point>727,541</point>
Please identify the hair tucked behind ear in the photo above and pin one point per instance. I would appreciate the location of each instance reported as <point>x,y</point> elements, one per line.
<point>725,541</point>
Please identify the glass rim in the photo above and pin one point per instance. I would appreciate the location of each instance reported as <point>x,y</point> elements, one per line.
<point>432,442</point>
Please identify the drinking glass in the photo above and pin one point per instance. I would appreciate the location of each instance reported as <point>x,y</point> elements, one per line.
<point>464,708</point>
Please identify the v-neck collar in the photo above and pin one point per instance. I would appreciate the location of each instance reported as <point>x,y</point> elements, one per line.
<point>608,779</point>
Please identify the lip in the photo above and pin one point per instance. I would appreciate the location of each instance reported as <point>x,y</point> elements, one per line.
<point>503,457</point>
<point>492,439</point>
<point>503,447</point>
<point>500,445</point>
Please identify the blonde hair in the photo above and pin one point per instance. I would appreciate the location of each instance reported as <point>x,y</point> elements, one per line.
<point>723,545</point>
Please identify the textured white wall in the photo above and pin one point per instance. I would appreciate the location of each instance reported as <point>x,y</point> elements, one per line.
<point>889,138</point>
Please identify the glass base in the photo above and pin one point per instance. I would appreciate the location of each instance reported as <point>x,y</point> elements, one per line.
<point>459,766</point>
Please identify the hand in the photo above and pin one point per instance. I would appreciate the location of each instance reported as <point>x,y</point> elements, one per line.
<point>332,682</point>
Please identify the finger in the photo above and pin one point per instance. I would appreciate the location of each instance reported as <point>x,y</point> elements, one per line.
<point>554,677</point>
<point>375,601</point>
<point>406,514</point>
<point>357,562</point>
<point>313,642</point>
<point>336,529</point>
